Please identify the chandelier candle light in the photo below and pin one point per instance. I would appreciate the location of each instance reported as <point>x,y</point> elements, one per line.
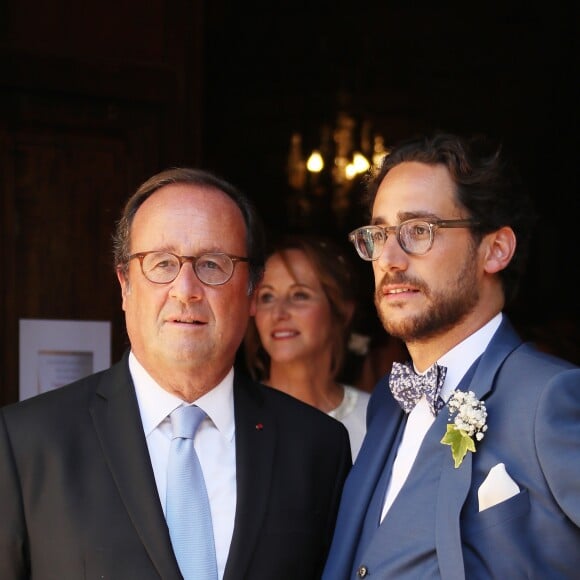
<point>332,167</point>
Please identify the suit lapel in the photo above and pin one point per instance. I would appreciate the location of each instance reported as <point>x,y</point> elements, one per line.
<point>116,419</point>
<point>502,344</point>
<point>385,417</point>
<point>453,489</point>
<point>256,437</point>
<point>384,420</point>
<point>455,483</point>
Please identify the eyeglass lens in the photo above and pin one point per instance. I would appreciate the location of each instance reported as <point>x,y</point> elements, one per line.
<point>212,269</point>
<point>415,237</point>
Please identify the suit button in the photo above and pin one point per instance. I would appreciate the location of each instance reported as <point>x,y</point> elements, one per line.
<point>362,572</point>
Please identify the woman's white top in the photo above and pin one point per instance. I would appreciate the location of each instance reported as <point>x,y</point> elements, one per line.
<point>352,413</point>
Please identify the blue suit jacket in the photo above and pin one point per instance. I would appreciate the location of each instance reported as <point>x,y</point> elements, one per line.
<point>533,405</point>
<point>78,497</point>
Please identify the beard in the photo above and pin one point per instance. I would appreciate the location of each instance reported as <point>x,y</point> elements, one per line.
<point>448,306</point>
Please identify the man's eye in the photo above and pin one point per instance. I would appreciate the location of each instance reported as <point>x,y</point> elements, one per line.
<point>209,264</point>
<point>419,230</point>
<point>160,264</point>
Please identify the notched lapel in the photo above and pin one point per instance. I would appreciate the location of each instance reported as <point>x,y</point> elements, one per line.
<point>455,482</point>
<point>117,421</point>
<point>375,456</point>
<point>453,488</point>
<point>504,341</point>
<point>256,437</point>
<point>383,429</point>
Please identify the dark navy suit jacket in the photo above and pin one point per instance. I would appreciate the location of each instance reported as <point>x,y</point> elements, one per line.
<point>78,497</point>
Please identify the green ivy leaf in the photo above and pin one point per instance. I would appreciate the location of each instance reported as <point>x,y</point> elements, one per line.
<point>460,443</point>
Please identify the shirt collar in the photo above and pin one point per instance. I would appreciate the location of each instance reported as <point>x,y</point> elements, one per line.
<point>463,355</point>
<point>155,403</point>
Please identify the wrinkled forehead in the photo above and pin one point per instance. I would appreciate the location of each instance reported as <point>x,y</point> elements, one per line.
<point>184,215</point>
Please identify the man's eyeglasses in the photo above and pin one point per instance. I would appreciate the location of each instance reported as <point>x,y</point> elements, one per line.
<point>212,269</point>
<point>415,236</point>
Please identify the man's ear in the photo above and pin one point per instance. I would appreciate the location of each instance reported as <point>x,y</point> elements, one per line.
<point>500,249</point>
<point>124,282</point>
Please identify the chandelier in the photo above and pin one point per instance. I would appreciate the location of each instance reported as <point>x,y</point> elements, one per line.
<point>322,180</point>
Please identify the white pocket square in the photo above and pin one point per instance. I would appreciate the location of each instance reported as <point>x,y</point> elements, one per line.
<point>497,487</point>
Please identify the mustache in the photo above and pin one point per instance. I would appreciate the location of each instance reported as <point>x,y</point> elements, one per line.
<point>401,279</point>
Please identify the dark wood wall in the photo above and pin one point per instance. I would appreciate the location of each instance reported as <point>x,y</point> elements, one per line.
<point>94,98</point>
<point>97,96</point>
<point>505,69</point>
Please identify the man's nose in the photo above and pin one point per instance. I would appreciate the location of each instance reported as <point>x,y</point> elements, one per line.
<point>187,286</point>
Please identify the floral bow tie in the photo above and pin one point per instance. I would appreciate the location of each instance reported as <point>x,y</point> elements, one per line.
<point>408,387</point>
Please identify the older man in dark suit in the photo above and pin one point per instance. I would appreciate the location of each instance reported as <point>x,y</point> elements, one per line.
<point>85,470</point>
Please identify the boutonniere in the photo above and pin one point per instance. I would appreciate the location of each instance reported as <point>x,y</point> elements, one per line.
<point>469,416</point>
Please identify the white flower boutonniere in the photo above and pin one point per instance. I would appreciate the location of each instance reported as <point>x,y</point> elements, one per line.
<point>469,422</point>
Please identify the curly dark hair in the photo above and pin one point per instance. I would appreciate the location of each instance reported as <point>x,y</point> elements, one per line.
<point>255,236</point>
<point>487,186</point>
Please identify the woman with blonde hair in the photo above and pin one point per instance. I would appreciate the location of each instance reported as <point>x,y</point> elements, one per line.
<point>297,340</point>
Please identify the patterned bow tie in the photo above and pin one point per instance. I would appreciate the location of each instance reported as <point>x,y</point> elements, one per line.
<point>408,387</point>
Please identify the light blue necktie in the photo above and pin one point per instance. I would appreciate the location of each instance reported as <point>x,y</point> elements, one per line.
<point>187,510</point>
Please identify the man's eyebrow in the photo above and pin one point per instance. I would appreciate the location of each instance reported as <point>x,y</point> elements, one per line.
<point>407,215</point>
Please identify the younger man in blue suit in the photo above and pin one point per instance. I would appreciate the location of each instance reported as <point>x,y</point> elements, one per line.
<point>474,474</point>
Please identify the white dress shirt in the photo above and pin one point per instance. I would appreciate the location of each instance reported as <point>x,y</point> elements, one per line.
<point>457,360</point>
<point>214,444</point>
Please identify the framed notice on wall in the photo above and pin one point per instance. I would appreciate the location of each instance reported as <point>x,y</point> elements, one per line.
<point>54,353</point>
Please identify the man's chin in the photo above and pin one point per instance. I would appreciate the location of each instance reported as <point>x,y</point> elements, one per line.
<point>185,355</point>
<point>396,324</point>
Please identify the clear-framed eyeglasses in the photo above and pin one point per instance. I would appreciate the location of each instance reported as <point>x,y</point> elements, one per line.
<point>415,236</point>
<point>213,268</point>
